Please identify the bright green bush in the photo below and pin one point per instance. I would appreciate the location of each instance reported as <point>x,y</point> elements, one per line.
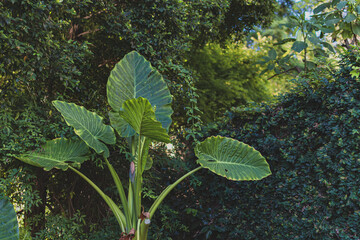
<point>311,139</point>
<point>230,76</point>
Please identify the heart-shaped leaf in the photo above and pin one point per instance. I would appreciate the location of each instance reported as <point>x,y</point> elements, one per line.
<point>57,153</point>
<point>232,159</point>
<point>9,228</point>
<point>134,77</point>
<point>120,125</point>
<point>139,114</point>
<point>87,125</point>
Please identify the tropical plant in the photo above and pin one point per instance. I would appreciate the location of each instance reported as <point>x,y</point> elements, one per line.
<point>9,228</point>
<point>141,113</point>
<point>46,52</point>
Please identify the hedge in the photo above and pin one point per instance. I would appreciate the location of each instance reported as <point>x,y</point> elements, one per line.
<point>310,138</point>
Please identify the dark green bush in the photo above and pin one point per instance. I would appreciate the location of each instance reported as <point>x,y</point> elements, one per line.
<point>311,140</point>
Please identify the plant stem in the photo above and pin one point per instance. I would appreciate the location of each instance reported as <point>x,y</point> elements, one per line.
<point>121,192</point>
<point>138,176</point>
<point>138,237</point>
<point>131,204</point>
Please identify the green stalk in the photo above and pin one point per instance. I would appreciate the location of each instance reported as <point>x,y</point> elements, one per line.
<point>121,193</point>
<point>161,197</point>
<point>120,217</point>
<point>131,204</point>
<point>138,229</point>
<point>138,175</point>
<point>131,192</point>
<point>144,230</point>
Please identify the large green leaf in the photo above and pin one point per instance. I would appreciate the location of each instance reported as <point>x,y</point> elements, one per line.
<point>139,114</point>
<point>121,126</point>
<point>134,77</point>
<point>87,125</point>
<point>9,229</point>
<point>232,159</point>
<point>57,153</point>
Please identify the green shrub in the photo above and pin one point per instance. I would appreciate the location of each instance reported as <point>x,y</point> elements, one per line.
<point>311,139</point>
<point>60,227</point>
<point>229,76</point>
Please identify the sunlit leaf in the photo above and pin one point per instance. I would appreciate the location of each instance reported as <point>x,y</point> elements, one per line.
<point>134,77</point>
<point>232,159</point>
<point>87,125</point>
<point>58,153</point>
<point>139,114</point>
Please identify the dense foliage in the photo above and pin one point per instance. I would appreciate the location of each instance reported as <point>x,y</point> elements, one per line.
<point>308,30</point>
<point>311,140</point>
<point>230,76</point>
<point>65,50</point>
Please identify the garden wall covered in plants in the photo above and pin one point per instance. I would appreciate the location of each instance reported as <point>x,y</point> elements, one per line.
<point>311,141</point>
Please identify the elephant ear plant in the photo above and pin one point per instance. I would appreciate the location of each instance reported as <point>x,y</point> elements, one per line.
<point>141,113</point>
<point>9,229</point>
